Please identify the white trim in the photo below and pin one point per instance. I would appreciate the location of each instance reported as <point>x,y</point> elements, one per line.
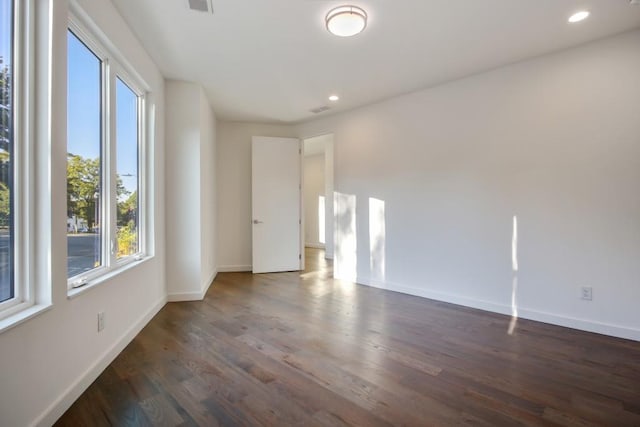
<point>20,316</point>
<point>185,296</point>
<point>314,245</point>
<point>193,296</point>
<point>105,276</point>
<point>49,416</point>
<point>120,73</point>
<point>301,207</point>
<point>23,166</point>
<point>524,313</point>
<point>234,268</point>
<point>207,283</point>
<point>82,21</point>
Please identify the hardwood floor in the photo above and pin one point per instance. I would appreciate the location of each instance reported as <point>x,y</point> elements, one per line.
<point>304,349</point>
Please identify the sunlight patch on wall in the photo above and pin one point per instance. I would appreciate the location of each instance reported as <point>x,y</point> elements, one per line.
<point>321,219</point>
<point>345,258</point>
<point>377,239</point>
<point>514,284</point>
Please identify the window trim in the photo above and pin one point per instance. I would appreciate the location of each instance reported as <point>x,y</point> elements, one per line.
<point>129,82</point>
<point>32,63</point>
<point>22,158</point>
<point>114,66</point>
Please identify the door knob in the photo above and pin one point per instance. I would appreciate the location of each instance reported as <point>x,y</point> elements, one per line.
<point>255,221</point>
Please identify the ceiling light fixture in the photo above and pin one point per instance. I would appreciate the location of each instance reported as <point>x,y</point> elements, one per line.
<point>579,16</point>
<point>334,98</point>
<point>346,21</point>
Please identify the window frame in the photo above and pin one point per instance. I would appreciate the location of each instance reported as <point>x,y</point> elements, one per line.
<point>22,159</point>
<point>129,82</point>
<point>113,67</point>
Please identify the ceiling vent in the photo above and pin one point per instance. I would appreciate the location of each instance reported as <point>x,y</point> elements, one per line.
<point>320,109</point>
<point>201,5</point>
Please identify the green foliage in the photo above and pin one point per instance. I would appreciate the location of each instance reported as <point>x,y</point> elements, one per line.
<point>4,205</point>
<point>5,144</point>
<point>127,240</point>
<point>83,188</point>
<point>5,108</point>
<point>128,210</point>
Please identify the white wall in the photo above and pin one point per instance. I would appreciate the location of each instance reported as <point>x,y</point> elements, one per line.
<point>328,202</point>
<point>191,191</point>
<point>313,188</point>
<point>183,187</point>
<point>554,140</point>
<point>234,190</point>
<point>208,193</point>
<point>49,360</point>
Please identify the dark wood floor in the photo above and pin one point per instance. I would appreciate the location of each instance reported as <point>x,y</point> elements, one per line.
<point>303,349</point>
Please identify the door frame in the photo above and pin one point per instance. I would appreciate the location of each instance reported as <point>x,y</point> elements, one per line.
<point>329,202</point>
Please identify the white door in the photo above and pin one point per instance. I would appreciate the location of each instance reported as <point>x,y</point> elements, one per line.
<point>276,187</point>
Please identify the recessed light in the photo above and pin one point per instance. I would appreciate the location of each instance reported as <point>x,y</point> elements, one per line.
<point>334,98</point>
<point>579,16</point>
<point>346,21</point>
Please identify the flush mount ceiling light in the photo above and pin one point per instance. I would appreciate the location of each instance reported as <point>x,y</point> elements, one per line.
<point>346,21</point>
<point>334,98</point>
<point>579,16</point>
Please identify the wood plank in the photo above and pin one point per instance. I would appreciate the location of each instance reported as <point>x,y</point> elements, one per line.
<point>300,348</point>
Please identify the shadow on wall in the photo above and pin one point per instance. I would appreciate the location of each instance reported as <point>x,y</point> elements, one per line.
<point>345,265</point>
<point>346,238</point>
<point>377,240</point>
<point>346,248</point>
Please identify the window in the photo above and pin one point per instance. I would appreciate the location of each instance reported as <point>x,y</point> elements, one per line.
<point>104,161</point>
<point>16,163</point>
<point>84,159</point>
<point>7,283</point>
<point>127,140</point>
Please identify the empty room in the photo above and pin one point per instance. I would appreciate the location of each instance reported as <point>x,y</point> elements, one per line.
<point>322,213</point>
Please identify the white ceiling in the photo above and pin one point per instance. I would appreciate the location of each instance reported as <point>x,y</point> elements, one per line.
<point>273,60</point>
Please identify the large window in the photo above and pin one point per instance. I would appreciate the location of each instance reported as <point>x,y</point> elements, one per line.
<point>105,122</point>
<point>16,163</point>
<point>84,159</point>
<point>7,210</point>
<point>127,140</point>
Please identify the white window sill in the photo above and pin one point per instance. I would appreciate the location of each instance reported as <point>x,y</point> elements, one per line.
<point>97,281</point>
<point>23,315</point>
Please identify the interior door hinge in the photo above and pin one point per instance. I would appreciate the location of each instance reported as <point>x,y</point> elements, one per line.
<point>299,256</point>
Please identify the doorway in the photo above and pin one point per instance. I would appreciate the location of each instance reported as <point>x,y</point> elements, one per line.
<point>318,193</point>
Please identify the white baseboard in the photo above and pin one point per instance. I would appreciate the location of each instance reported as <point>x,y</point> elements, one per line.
<point>314,245</point>
<point>581,324</point>
<point>194,295</point>
<point>524,313</point>
<point>234,268</point>
<point>60,405</point>
<point>207,283</point>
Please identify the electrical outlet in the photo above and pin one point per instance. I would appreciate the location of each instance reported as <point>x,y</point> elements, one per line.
<point>587,293</point>
<point>100,321</point>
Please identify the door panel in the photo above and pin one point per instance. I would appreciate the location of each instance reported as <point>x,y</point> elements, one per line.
<point>276,178</point>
